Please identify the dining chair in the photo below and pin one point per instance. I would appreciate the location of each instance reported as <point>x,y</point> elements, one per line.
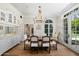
<point>46,42</point>
<point>34,41</point>
<point>54,44</point>
<point>26,44</point>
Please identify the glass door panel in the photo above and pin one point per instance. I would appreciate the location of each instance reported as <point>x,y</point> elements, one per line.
<point>75,30</point>
<point>48,27</point>
<point>66,30</point>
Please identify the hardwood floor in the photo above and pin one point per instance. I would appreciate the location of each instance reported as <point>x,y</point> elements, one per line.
<point>19,51</point>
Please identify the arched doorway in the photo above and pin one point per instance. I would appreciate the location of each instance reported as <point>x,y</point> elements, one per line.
<point>49,27</point>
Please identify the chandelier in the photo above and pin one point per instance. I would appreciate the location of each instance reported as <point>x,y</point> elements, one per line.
<point>39,18</point>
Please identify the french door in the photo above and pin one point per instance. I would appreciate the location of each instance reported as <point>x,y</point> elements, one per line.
<point>66,30</point>
<point>49,27</point>
<point>75,29</point>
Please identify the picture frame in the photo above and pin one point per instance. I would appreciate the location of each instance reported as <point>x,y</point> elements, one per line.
<point>14,20</point>
<point>2,16</point>
<point>10,17</point>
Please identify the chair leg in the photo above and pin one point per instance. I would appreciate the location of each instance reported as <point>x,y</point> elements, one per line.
<point>38,50</point>
<point>49,49</point>
<point>24,47</point>
<point>56,46</point>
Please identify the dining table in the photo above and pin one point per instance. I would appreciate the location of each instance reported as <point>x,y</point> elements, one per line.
<point>40,41</point>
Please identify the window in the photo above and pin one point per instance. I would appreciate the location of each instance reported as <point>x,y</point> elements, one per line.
<point>3,16</point>
<point>6,30</point>
<point>66,30</point>
<point>10,30</point>
<point>8,24</point>
<point>1,27</point>
<point>75,29</point>
<point>1,30</point>
<point>73,16</point>
<point>48,27</point>
<point>75,10</point>
<point>14,19</point>
<point>10,18</point>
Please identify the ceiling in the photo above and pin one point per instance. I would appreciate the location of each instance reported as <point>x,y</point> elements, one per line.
<point>48,9</point>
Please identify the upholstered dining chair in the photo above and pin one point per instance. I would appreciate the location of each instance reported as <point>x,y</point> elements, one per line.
<point>46,42</point>
<point>54,44</point>
<point>26,44</point>
<point>34,41</point>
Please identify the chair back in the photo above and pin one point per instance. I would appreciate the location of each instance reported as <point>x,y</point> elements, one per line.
<point>46,42</point>
<point>34,38</point>
<point>34,41</point>
<point>45,38</point>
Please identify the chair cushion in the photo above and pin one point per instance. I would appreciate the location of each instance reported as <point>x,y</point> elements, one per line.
<point>34,44</point>
<point>45,44</point>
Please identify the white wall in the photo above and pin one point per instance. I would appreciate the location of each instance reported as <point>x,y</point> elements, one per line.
<point>7,42</point>
<point>28,20</point>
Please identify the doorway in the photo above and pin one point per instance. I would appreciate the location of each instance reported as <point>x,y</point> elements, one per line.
<point>49,27</point>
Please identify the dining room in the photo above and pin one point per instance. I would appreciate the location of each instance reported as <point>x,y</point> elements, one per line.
<point>39,29</point>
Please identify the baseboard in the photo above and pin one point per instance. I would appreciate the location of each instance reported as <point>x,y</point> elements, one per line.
<point>9,49</point>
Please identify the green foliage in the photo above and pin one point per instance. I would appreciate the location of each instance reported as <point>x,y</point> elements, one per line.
<point>75,26</point>
<point>75,22</point>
